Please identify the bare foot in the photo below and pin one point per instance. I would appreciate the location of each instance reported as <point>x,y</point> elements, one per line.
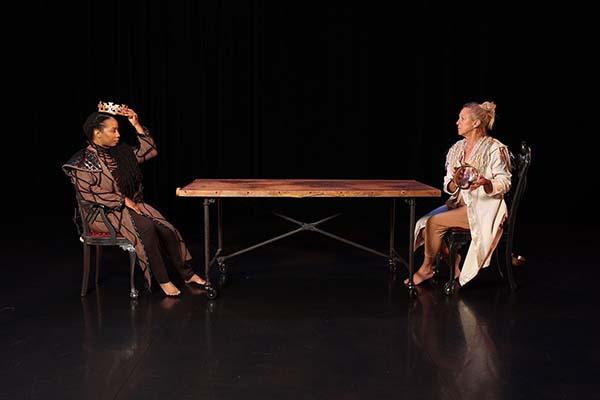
<point>421,276</point>
<point>197,280</point>
<point>170,289</point>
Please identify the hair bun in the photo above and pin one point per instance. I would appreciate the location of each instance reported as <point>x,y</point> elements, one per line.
<point>488,106</point>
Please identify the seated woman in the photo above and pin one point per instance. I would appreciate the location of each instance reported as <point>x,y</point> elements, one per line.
<point>107,172</point>
<point>478,204</point>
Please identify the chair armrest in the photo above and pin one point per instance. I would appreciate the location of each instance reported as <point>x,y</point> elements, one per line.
<point>95,209</point>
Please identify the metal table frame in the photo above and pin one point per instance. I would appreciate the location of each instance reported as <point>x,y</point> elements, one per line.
<point>213,193</point>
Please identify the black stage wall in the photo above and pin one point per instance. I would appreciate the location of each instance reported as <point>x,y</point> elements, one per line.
<point>258,89</point>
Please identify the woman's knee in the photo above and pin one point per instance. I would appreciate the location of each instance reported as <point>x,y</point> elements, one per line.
<point>433,222</point>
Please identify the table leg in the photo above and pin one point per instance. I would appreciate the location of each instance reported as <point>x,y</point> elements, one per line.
<point>392,259</point>
<point>220,224</point>
<point>210,291</point>
<point>411,240</point>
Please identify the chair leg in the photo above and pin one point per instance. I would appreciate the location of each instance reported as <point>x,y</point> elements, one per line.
<point>86,269</point>
<point>452,250</point>
<point>133,292</point>
<point>509,269</point>
<point>98,261</point>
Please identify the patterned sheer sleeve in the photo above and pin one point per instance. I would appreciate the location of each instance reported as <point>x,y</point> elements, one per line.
<point>97,187</point>
<point>147,147</point>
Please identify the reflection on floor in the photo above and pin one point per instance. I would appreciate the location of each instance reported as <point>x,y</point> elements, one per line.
<point>305,319</point>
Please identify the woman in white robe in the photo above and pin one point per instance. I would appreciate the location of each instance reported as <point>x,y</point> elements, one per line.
<point>479,205</point>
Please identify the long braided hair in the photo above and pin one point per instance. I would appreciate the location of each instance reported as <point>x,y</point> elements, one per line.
<point>128,173</point>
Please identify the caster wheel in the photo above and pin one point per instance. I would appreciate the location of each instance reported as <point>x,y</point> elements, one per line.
<point>412,291</point>
<point>134,294</point>
<point>449,288</point>
<point>211,293</point>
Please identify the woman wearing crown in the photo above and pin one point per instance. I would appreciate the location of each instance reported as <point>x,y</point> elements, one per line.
<point>107,172</point>
<point>478,174</point>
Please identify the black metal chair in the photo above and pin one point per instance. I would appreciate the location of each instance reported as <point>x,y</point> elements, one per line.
<point>86,213</point>
<point>457,238</point>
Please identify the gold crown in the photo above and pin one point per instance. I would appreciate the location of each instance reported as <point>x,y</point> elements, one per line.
<point>111,108</point>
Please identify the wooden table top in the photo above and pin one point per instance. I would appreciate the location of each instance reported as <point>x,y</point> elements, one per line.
<point>306,188</point>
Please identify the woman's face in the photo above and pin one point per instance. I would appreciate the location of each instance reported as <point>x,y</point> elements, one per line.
<point>465,122</point>
<point>108,134</point>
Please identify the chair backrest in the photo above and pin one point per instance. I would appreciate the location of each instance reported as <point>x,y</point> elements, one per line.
<point>520,164</point>
<point>86,213</point>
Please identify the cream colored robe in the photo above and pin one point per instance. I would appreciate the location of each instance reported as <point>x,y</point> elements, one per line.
<point>486,212</point>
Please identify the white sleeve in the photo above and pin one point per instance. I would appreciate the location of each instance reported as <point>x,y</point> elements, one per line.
<point>450,170</point>
<point>500,168</point>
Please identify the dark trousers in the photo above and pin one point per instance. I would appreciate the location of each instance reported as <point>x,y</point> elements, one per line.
<point>160,243</point>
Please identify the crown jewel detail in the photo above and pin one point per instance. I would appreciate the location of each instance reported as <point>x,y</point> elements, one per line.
<point>111,108</point>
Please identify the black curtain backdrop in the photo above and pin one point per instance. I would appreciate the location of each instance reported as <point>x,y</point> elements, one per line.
<point>259,89</point>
